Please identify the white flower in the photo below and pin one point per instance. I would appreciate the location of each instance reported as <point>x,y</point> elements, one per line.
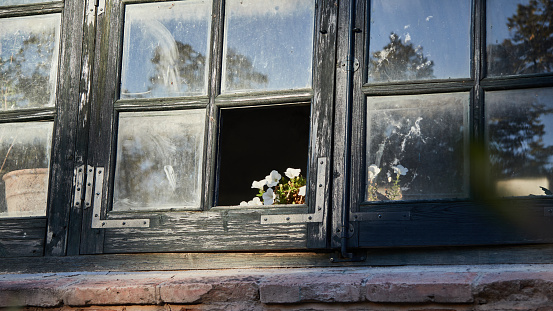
<point>400,170</point>
<point>302,191</point>
<point>259,184</point>
<point>292,172</point>
<point>253,202</point>
<point>373,171</point>
<point>269,197</point>
<point>273,178</point>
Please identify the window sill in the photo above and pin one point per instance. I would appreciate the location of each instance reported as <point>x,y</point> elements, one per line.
<point>483,287</point>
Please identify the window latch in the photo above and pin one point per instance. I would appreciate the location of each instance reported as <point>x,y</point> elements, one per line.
<point>317,216</point>
<point>89,186</point>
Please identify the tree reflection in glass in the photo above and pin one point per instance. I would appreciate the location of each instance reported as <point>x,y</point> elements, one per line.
<point>520,141</point>
<point>28,61</point>
<point>417,147</point>
<point>165,49</point>
<point>419,40</point>
<point>268,45</point>
<point>519,37</point>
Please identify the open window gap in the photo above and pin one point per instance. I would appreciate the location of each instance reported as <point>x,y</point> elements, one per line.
<point>255,141</point>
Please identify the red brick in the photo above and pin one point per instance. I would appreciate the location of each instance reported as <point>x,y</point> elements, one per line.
<point>421,287</point>
<point>110,290</point>
<point>38,291</point>
<point>183,292</point>
<point>312,287</point>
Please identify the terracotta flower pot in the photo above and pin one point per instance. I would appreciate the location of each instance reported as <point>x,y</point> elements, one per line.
<point>27,191</point>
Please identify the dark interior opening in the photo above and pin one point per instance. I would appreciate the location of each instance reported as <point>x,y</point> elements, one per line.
<point>255,141</point>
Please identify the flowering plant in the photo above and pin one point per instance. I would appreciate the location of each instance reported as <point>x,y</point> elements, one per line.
<point>275,189</point>
<point>394,192</point>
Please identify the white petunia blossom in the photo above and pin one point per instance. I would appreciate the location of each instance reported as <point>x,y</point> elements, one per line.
<point>292,172</point>
<point>269,197</point>
<point>400,170</point>
<point>273,178</point>
<point>253,202</point>
<point>302,191</point>
<point>259,184</point>
<point>373,171</point>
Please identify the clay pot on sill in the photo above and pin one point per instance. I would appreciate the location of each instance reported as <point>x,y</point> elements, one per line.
<point>26,191</point>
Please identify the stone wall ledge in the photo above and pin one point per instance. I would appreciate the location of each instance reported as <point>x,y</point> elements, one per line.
<point>494,287</point>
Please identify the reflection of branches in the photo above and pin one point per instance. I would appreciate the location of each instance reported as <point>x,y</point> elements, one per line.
<point>8,153</point>
<point>400,61</point>
<point>530,48</point>
<point>240,73</point>
<point>516,140</point>
<point>186,72</point>
<point>25,76</point>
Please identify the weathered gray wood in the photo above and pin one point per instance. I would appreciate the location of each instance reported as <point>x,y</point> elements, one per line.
<point>88,23</point>
<point>226,229</point>
<point>63,144</point>
<point>30,9</point>
<point>22,237</point>
<point>322,111</point>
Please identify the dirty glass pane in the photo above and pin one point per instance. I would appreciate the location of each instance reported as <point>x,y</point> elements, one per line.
<point>24,162</point>
<point>419,40</point>
<point>519,37</point>
<point>15,2</point>
<point>28,61</point>
<point>520,141</point>
<point>417,147</point>
<point>268,45</point>
<point>166,49</point>
<point>159,160</point>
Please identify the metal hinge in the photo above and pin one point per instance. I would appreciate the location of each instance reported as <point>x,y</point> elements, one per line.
<point>96,7</point>
<point>317,216</point>
<point>91,193</point>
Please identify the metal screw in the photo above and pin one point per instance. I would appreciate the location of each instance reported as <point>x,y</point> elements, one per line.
<point>124,223</point>
<point>287,218</point>
<point>379,216</point>
<point>264,219</point>
<point>309,217</point>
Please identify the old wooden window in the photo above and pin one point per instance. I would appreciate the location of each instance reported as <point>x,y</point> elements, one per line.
<point>451,120</point>
<point>192,102</point>
<point>35,135</point>
<point>151,124</point>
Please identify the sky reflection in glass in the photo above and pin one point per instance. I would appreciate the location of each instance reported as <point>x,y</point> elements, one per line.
<point>436,34</point>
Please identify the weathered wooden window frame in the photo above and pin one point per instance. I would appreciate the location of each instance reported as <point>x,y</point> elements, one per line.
<point>86,79</point>
<point>438,222</point>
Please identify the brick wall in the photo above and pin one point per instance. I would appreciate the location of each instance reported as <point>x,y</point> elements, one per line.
<point>503,287</point>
